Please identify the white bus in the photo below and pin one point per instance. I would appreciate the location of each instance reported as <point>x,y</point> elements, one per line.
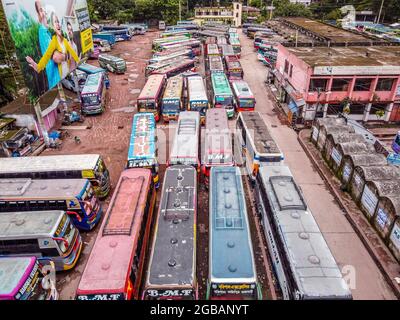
<point>197,96</point>
<point>45,234</point>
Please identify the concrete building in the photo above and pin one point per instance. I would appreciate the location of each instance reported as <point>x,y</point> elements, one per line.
<point>227,15</point>
<point>322,70</point>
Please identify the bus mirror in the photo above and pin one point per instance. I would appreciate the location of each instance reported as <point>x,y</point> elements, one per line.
<point>73,213</point>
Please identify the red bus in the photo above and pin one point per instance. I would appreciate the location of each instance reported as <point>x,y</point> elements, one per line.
<point>151,95</point>
<point>234,69</point>
<point>115,265</point>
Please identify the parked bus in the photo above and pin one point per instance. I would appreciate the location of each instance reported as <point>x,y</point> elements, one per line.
<point>197,99</point>
<point>194,44</point>
<point>181,54</point>
<point>161,54</point>
<point>85,166</point>
<point>172,265</point>
<point>120,34</point>
<point>143,148</point>
<point>112,63</point>
<point>23,278</point>
<point>46,234</point>
<point>90,69</point>
<point>114,269</point>
<point>222,93</point>
<point>258,146</point>
<point>149,99</point>
<point>232,271</point>
<point>211,40</point>
<point>160,41</point>
<point>221,41</point>
<point>215,65</point>
<point>212,50</point>
<point>167,34</point>
<point>218,149</point>
<point>294,240</point>
<point>235,43</point>
<point>176,68</point>
<point>106,36</point>
<point>186,145</point>
<point>93,95</point>
<point>75,196</point>
<point>234,69</point>
<point>153,67</point>
<point>245,100</point>
<point>172,102</point>
<point>161,25</point>
<point>227,50</point>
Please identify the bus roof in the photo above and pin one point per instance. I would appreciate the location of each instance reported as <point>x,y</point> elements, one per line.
<point>41,189</point>
<point>165,70</point>
<point>26,224</point>
<point>152,87</point>
<point>174,88</point>
<point>311,262</point>
<point>88,68</point>
<point>227,50</point>
<point>196,88</point>
<point>13,270</point>
<point>231,251</point>
<point>175,264</point>
<point>48,163</point>
<point>232,62</point>
<point>242,89</point>
<point>212,49</point>
<point>220,84</point>
<point>93,83</point>
<point>143,137</point>
<point>110,58</point>
<point>260,135</point>
<point>234,41</point>
<point>218,138</point>
<point>186,140</point>
<point>112,254</point>
<point>216,64</point>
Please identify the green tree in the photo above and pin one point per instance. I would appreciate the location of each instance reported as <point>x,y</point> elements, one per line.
<point>284,8</point>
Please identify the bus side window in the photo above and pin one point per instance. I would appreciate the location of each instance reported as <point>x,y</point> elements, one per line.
<point>49,252</point>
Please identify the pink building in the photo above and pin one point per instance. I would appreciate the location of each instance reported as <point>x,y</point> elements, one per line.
<point>324,81</point>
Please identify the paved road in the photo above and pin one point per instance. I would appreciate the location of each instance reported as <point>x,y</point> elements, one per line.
<point>352,257</point>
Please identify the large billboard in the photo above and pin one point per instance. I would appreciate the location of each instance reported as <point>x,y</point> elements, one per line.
<point>50,37</point>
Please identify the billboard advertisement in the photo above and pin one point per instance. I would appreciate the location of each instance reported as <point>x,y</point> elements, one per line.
<point>50,37</point>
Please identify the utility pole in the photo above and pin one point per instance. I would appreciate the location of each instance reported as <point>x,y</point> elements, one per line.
<point>380,11</point>
<point>270,14</point>
<point>180,11</point>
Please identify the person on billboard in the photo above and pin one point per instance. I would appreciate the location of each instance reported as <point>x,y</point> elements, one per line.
<point>58,43</point>
<point>70,30</point>
<point>52,73</point>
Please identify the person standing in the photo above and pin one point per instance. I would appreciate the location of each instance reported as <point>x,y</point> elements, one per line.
<point>53,76</point>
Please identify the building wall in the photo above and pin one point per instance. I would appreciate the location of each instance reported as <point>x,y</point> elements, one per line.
<point>232,15</point>
<point>363,105</point>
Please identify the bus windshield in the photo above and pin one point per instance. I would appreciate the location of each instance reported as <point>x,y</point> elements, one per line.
<point>200,106</point>
<point>90,99</point>
<point>246,103</point>
<point>171,105</point>
<point>147,105</point>
<point>225,101</point>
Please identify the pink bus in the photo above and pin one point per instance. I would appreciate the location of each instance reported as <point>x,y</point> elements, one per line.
<point>23,278</point>
<point>115,265</point>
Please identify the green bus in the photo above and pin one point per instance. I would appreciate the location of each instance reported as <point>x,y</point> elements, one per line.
<point>222,93</point>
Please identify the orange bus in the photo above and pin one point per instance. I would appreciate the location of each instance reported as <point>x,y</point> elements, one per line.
<point>115,265</point>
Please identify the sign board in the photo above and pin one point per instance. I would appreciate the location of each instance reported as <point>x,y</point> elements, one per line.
<point>336,156</point>
<point>381,218</point>
<point>346,172</point>
<point>369,201</point>
<point>356,70</point>
<point>50,37</point>
<point>395,235</point>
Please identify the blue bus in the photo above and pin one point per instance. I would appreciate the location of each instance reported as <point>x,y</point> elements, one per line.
<point>105,36</point>
<point>120,34</point>
<point>90,69</point>
<point>74,196</point>
<point>143,151</point>
<point>232,271</point>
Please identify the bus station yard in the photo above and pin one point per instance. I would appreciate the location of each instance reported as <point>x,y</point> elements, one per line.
<point>108,134</point>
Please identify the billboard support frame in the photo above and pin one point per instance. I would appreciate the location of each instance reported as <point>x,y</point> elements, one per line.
<point>41,125</point>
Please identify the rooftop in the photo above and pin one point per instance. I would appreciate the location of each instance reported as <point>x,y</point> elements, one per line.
<point>348,56</point>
